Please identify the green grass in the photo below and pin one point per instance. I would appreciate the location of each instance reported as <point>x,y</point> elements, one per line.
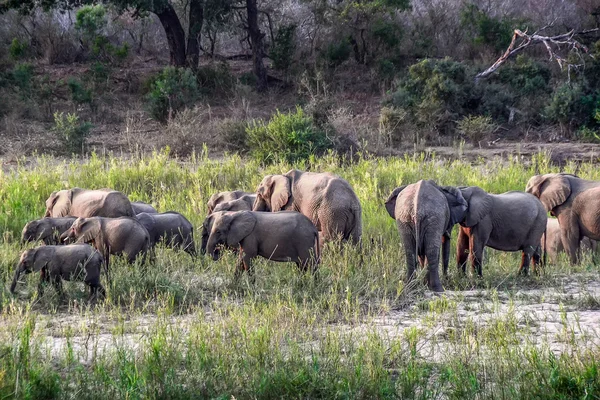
<point>181,328</point>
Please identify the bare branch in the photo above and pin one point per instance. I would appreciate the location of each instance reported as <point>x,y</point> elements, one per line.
<point>552,44</point>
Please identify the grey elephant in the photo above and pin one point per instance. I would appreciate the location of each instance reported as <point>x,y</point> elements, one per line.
<point>172,228</point>
<point>48,230</point>
<point>326,199</point>
<point>244,203</point>
<point>281,236</point>
<point>511,221</point>
<point>552,241</point>
<point>207,229</point>
<point>141,207</point>
<point>575,202</point>
<point>222,197</point>
<point>55,263</point>
<point>115,236</point>
<point>85,203</point>
<point>425,214</point>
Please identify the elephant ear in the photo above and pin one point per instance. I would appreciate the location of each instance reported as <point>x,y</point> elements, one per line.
<point>40,259</point>
<point>213,201</point>
<point>456,203</point>
<point>241,224</point>
<point>280,192</point>
<point>390,203</point>
<point>62,204</point>
<point>480,205</point>
<point>552,190</point>
<point>88,230</point>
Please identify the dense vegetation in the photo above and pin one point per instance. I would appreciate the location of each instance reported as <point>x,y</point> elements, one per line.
<point>181,328</point>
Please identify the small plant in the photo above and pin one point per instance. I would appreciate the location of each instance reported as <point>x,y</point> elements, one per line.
<point>172,90</point>
<point>286,137</point>
<point>283,47</point>
<point>17,49</point>
<point>71,132</point>
<point>79,94</point>
<point>476,128</point>
<point>391,122</point>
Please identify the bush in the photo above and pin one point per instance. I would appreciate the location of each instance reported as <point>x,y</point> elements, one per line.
<point>233,133</point>
<point>17,49</point>
<point>494,32</point>
<point>476,128</point>
<point>571,108</point>
<point>171,90</point>
<point>286,137</point>
<point>391,123</point>
<point>337,52</point>
<point>216,78</point>
<point>283,47</point>
<point>22,79</point>
<point>70,132</point>
<point>79,94</point>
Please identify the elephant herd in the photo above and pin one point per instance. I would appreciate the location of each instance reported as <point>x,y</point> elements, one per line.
<point>291,215</point>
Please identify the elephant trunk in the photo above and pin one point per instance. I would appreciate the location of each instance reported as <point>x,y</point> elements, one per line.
<point>66,236</point>
<point>16,278</point>
<point>213,249</point>
<point>204,241</point>
<point>260,204</point>
<point>48,214</point>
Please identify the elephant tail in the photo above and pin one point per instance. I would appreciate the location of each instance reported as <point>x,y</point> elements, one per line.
<point>545,249</point>
<point>354,226</point>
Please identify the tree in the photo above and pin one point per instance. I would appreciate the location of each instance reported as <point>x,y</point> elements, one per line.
<point>256,38</point>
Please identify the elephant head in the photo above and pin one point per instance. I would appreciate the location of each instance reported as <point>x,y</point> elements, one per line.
<point>206,229</point>
<point>59,203</point>
<point>230,229</point>
<point>479,205</point>
<point>390,202</point>
<point>31,260</point>
<point>456,203</point>
<point>84,230</point>
<point>31,232</point>
<point>552,189</point>
<point>273,193</point>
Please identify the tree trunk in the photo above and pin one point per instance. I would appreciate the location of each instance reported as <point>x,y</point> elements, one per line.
<point>194,31</point>
<point>256,38</point>
<point>174,31</point>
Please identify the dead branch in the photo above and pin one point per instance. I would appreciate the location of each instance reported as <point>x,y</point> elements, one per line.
<point>521,40</point>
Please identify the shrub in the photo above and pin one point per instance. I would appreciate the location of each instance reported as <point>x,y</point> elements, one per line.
<point>22,79</point>
<point>172,90</point>
<point>286,137</point>
<point>476,128</point>
<point>17,49</point>
<point>233,133</point>
<point>391,122</point>
<point>337,52</point>
<point>91,21</point>
<point>570,107</point>
<point>70,132</point>
<point>494,32</point>
<point>79,94</point>
<point>283,47</point>
<point>216,78</point>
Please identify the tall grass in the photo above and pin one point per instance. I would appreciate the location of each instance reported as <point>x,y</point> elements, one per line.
<point>182,328</point>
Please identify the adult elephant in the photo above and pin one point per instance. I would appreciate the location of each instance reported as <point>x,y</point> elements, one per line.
<point>222,197</point>
<point>552,243</point>
<point>425,214</point>
<point>575,202</point>
<point>326,199</point>
<point>85,203</point>
<point>512,221</point>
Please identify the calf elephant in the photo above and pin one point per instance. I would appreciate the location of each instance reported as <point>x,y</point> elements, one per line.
<point>425,214</point>
<point>512,221</point>
<point>48,230</point>
<point>85,203</point>
<point>552,242</point>
<point>172,228</point>
<point>575,202</point>
<point>282,236</point>
<point>222,197</point>
<point>73,262</point>
<point>141,207</point>
<point>111,236</point>
<point>326,199</point>
<point>244,203</point>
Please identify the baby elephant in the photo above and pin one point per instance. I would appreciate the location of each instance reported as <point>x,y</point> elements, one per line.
<point>244,203</point>
<point>281,236</point>
<point>141,207</point>
<point>73,262</point>
<point>122,235</point>
<point>172,228</point>
<point>48,230</point>
<point>553,243</point>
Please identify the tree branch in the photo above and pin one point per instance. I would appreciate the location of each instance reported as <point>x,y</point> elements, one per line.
<point>524,40</point>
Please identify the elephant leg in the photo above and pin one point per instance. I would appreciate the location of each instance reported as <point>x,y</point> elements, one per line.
<point>57,282</point>
<point>239,268</point>
<point>537,260</point>
<point>44,279</point>
<point>247,260</point>
<point>477,243</point>
<point>433,266</point>
<point>525,260</point>
<point>462,250</point>
<point>409,241</point>
<point>445,253</point>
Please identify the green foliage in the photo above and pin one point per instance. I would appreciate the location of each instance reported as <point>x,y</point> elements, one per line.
<point>170,91</point>
<point>476,127</point>
<point>216,78</point>
<point>22,79</point>
<point>71,132</point>
<point>91,20</point>
<point>286,137</point>
<point>17,49</point>
<point>570,107</point>
<point>79,94</point>
<point>487,30</point>
<point>337,52</point>
<point>233,134</point>
<point>283,47</point>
